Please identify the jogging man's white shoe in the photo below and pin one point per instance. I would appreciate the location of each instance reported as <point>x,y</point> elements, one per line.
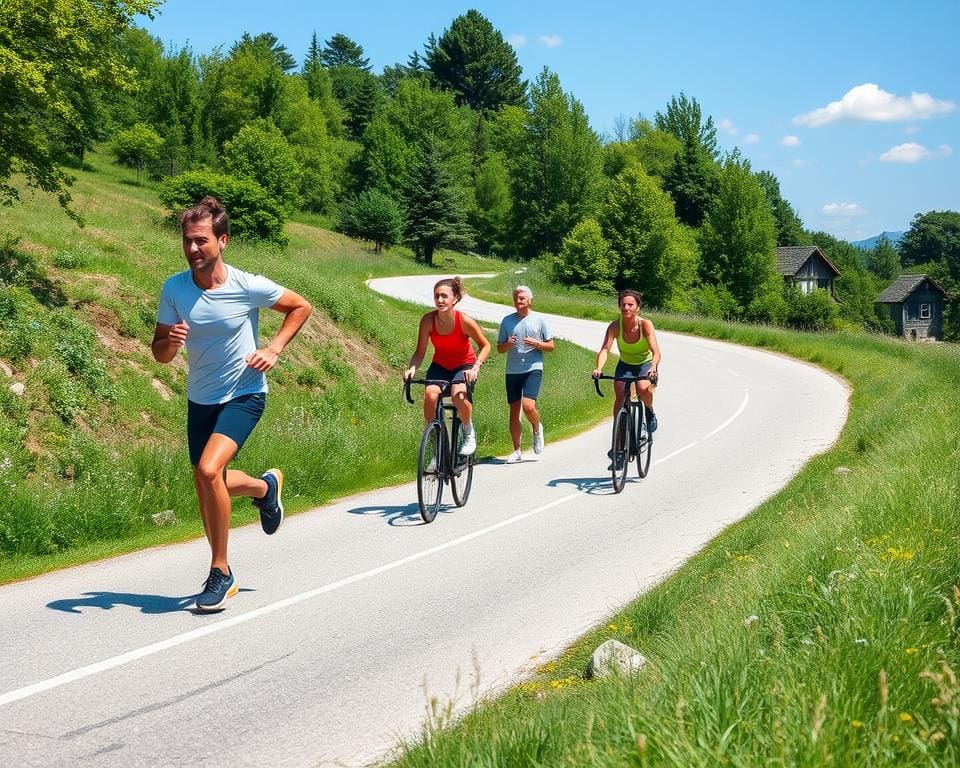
<point>516,457</point>
<point>538,441</point>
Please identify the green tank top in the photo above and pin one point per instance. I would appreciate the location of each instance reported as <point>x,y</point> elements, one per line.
<point>636,353</point>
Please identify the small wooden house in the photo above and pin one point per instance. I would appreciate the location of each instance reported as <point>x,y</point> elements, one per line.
<point>915,304</point>
<point>805,267</point>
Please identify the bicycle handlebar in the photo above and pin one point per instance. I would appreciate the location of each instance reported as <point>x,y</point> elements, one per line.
<point>430,382</point>
<point>596,380</point>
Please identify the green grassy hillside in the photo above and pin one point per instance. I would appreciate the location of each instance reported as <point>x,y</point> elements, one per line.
<point>96,444</point>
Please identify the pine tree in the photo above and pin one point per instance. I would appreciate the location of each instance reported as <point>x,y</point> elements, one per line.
<point>692,182</point>
<point>341,51</point>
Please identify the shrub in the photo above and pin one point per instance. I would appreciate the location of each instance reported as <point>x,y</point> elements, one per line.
<point>254,214</point>
<point>260,152</point>
<point>137,146</point>
<point>72,259</point>
<point>373,216</point>
<point>715,301</point>
<point>585,259</point>
<point>814,311</point>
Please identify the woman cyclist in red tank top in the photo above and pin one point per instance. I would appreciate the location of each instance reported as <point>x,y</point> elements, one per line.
<point>454,359</point>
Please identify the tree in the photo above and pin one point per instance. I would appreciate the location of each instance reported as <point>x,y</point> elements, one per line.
<point>261,153</point>
<point>266,42</point>
<point>137,146</point>
<point>557,173</point>
<point>472,59</point>
<point>933,236</point>
<point>656,149</point>
<point>738,241</point>
<point>320,88</point>
<point>788,225</point>
<point>436,213</point>
<point>55,62</point>
<point>341,51</point>
<point>883,260</point>
<point>491,213</point>
<point>692,182</point>
<point>653,251</point>
<point>684,119</point>
<point>358,92</point>
<point>373,216</point>
<point>585,259</point>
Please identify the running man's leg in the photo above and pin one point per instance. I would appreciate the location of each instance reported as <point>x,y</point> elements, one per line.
<point>531,412</point>
<point>516,427</point>
<point>210,481</point>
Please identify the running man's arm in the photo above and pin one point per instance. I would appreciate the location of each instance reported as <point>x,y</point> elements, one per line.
<point>167,341</point>
<point>296,310</point>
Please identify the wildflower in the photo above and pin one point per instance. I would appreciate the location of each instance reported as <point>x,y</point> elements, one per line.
<point>856,724</point>
<point>612,627</point>
<point>909,651</point>
<point>906,717</point>
<point>750,621</point>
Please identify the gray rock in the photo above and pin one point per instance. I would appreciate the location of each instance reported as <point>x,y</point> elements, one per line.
<point>841,471</point>
<point>18,388</point>
<point>6,368</point>
<point>613,657</point>
<point>164,518</point>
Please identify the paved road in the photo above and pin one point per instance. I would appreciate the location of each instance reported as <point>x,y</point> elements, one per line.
<point>355,613</point>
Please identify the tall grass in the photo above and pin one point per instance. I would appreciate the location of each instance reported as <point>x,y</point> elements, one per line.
<point>820,630</point>
<point>96,444</point>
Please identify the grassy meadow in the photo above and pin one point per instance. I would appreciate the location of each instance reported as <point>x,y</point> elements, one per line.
<point>821,630</point>
<point>96,443</point>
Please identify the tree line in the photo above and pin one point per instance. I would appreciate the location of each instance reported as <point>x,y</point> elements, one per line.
<point>450,149</point>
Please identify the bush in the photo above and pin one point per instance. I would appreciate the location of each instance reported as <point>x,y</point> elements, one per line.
<point>373,216</point>
<point>814,311</point>
<point>259,152</point>
<point>137,146</point>
<point>254,215</point>
<point>715,301</point>
<point>585,259</point>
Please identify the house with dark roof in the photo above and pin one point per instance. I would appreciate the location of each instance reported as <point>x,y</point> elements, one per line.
<point>806,268</point>
<point>915,304</point>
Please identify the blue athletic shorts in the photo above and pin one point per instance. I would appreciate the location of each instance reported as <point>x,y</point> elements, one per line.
<point>235,418</point>
<point>520,385</point>
<point>638,371</point>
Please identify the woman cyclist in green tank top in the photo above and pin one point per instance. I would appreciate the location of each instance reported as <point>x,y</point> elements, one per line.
<point>639,352</point>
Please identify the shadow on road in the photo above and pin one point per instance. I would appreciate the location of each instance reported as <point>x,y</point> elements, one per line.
<point>596,486</point>
<point>406,514</point>
<point>108,600</point>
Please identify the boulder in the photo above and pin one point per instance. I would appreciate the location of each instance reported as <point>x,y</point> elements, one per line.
<point>164,518</point>
<point>614,657</point>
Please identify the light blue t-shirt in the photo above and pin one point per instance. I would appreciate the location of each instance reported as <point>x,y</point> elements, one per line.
<point>522,358</point>
<point>223,331</point>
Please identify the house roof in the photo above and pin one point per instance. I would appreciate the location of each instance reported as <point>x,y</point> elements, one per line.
<point>790,258</point>
<point>902,287</point>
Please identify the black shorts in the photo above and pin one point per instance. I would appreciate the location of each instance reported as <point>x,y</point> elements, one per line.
<point>235,418</point>
<point>520,385</point>
<point>637,371</point>
<point>455,376</point>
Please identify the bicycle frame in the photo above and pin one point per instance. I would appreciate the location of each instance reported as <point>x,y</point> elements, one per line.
<point>638,445</point>
<point>447,466</point>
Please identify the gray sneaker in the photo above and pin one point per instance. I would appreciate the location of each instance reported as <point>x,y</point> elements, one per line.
<point>271,505</point>
<point>538,441</point>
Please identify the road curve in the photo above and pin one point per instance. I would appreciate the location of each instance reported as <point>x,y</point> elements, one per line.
<point>354,613</point>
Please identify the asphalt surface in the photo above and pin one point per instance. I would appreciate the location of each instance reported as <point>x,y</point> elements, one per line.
<point>354,616</point>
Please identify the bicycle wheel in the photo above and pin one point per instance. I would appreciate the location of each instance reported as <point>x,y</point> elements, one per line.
<point>619,450</point>
<point>429,472</point>
<point>644,442</point>
<point>462,478</point>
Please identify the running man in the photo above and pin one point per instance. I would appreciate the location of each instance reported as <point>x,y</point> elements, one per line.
<point>639,352</point>
<point>454,361</point>
<point>524,336</point>
<point>213,309</point>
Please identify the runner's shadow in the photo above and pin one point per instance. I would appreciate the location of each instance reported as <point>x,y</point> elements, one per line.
<point>596,486</point>
<point>398,515</point>
<point>108,600</point>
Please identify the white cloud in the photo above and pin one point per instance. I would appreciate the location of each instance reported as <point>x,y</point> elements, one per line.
<point>751,138</point>
<point>844,209</point>
<point>911,152</point>
<point>790,141</point>
<point>869,102</point>
<point>517,41</point>
<point>551,41</point>
<point>726,125</point>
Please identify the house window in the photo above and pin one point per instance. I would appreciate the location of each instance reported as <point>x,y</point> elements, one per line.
<point>823,283</point>
<point>925,312</point>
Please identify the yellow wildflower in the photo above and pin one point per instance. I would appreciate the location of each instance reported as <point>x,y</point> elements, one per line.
<point>909,651</point>
<point>856,724</point>
<point>906,717</point>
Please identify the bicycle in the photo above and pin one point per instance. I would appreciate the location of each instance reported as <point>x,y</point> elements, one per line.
<point>439,460</point>
<point>631,437</point>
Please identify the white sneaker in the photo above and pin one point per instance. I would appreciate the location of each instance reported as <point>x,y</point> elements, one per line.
<point>469,442</point>
<point>516,457</point>
<point>538,441</point>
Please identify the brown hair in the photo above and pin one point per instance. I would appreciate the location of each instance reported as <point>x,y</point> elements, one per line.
<point>208,208</point>
<point>455,284</point>
<point>630,292</point>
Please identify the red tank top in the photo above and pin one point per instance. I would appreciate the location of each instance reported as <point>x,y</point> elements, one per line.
<point>452,350</point>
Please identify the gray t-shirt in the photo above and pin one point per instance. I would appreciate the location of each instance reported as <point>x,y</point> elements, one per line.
<point>223,331</point>
<point>522,358</point>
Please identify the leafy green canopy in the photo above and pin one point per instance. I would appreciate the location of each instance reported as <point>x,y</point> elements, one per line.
<point>55,59</point>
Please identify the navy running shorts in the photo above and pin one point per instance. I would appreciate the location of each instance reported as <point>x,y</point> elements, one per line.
<point>235,418</point>
<point>455,376</point>
<point>520,385</point>
<point>637,371</point>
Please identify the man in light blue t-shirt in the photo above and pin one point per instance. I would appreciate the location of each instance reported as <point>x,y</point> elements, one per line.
<point>212,310</point>
<point>524,336</point>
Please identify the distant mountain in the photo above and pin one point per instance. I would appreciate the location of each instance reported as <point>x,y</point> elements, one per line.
<point>871,242</point>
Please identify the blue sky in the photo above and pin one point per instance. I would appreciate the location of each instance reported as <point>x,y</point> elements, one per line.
<point>854,105</point>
